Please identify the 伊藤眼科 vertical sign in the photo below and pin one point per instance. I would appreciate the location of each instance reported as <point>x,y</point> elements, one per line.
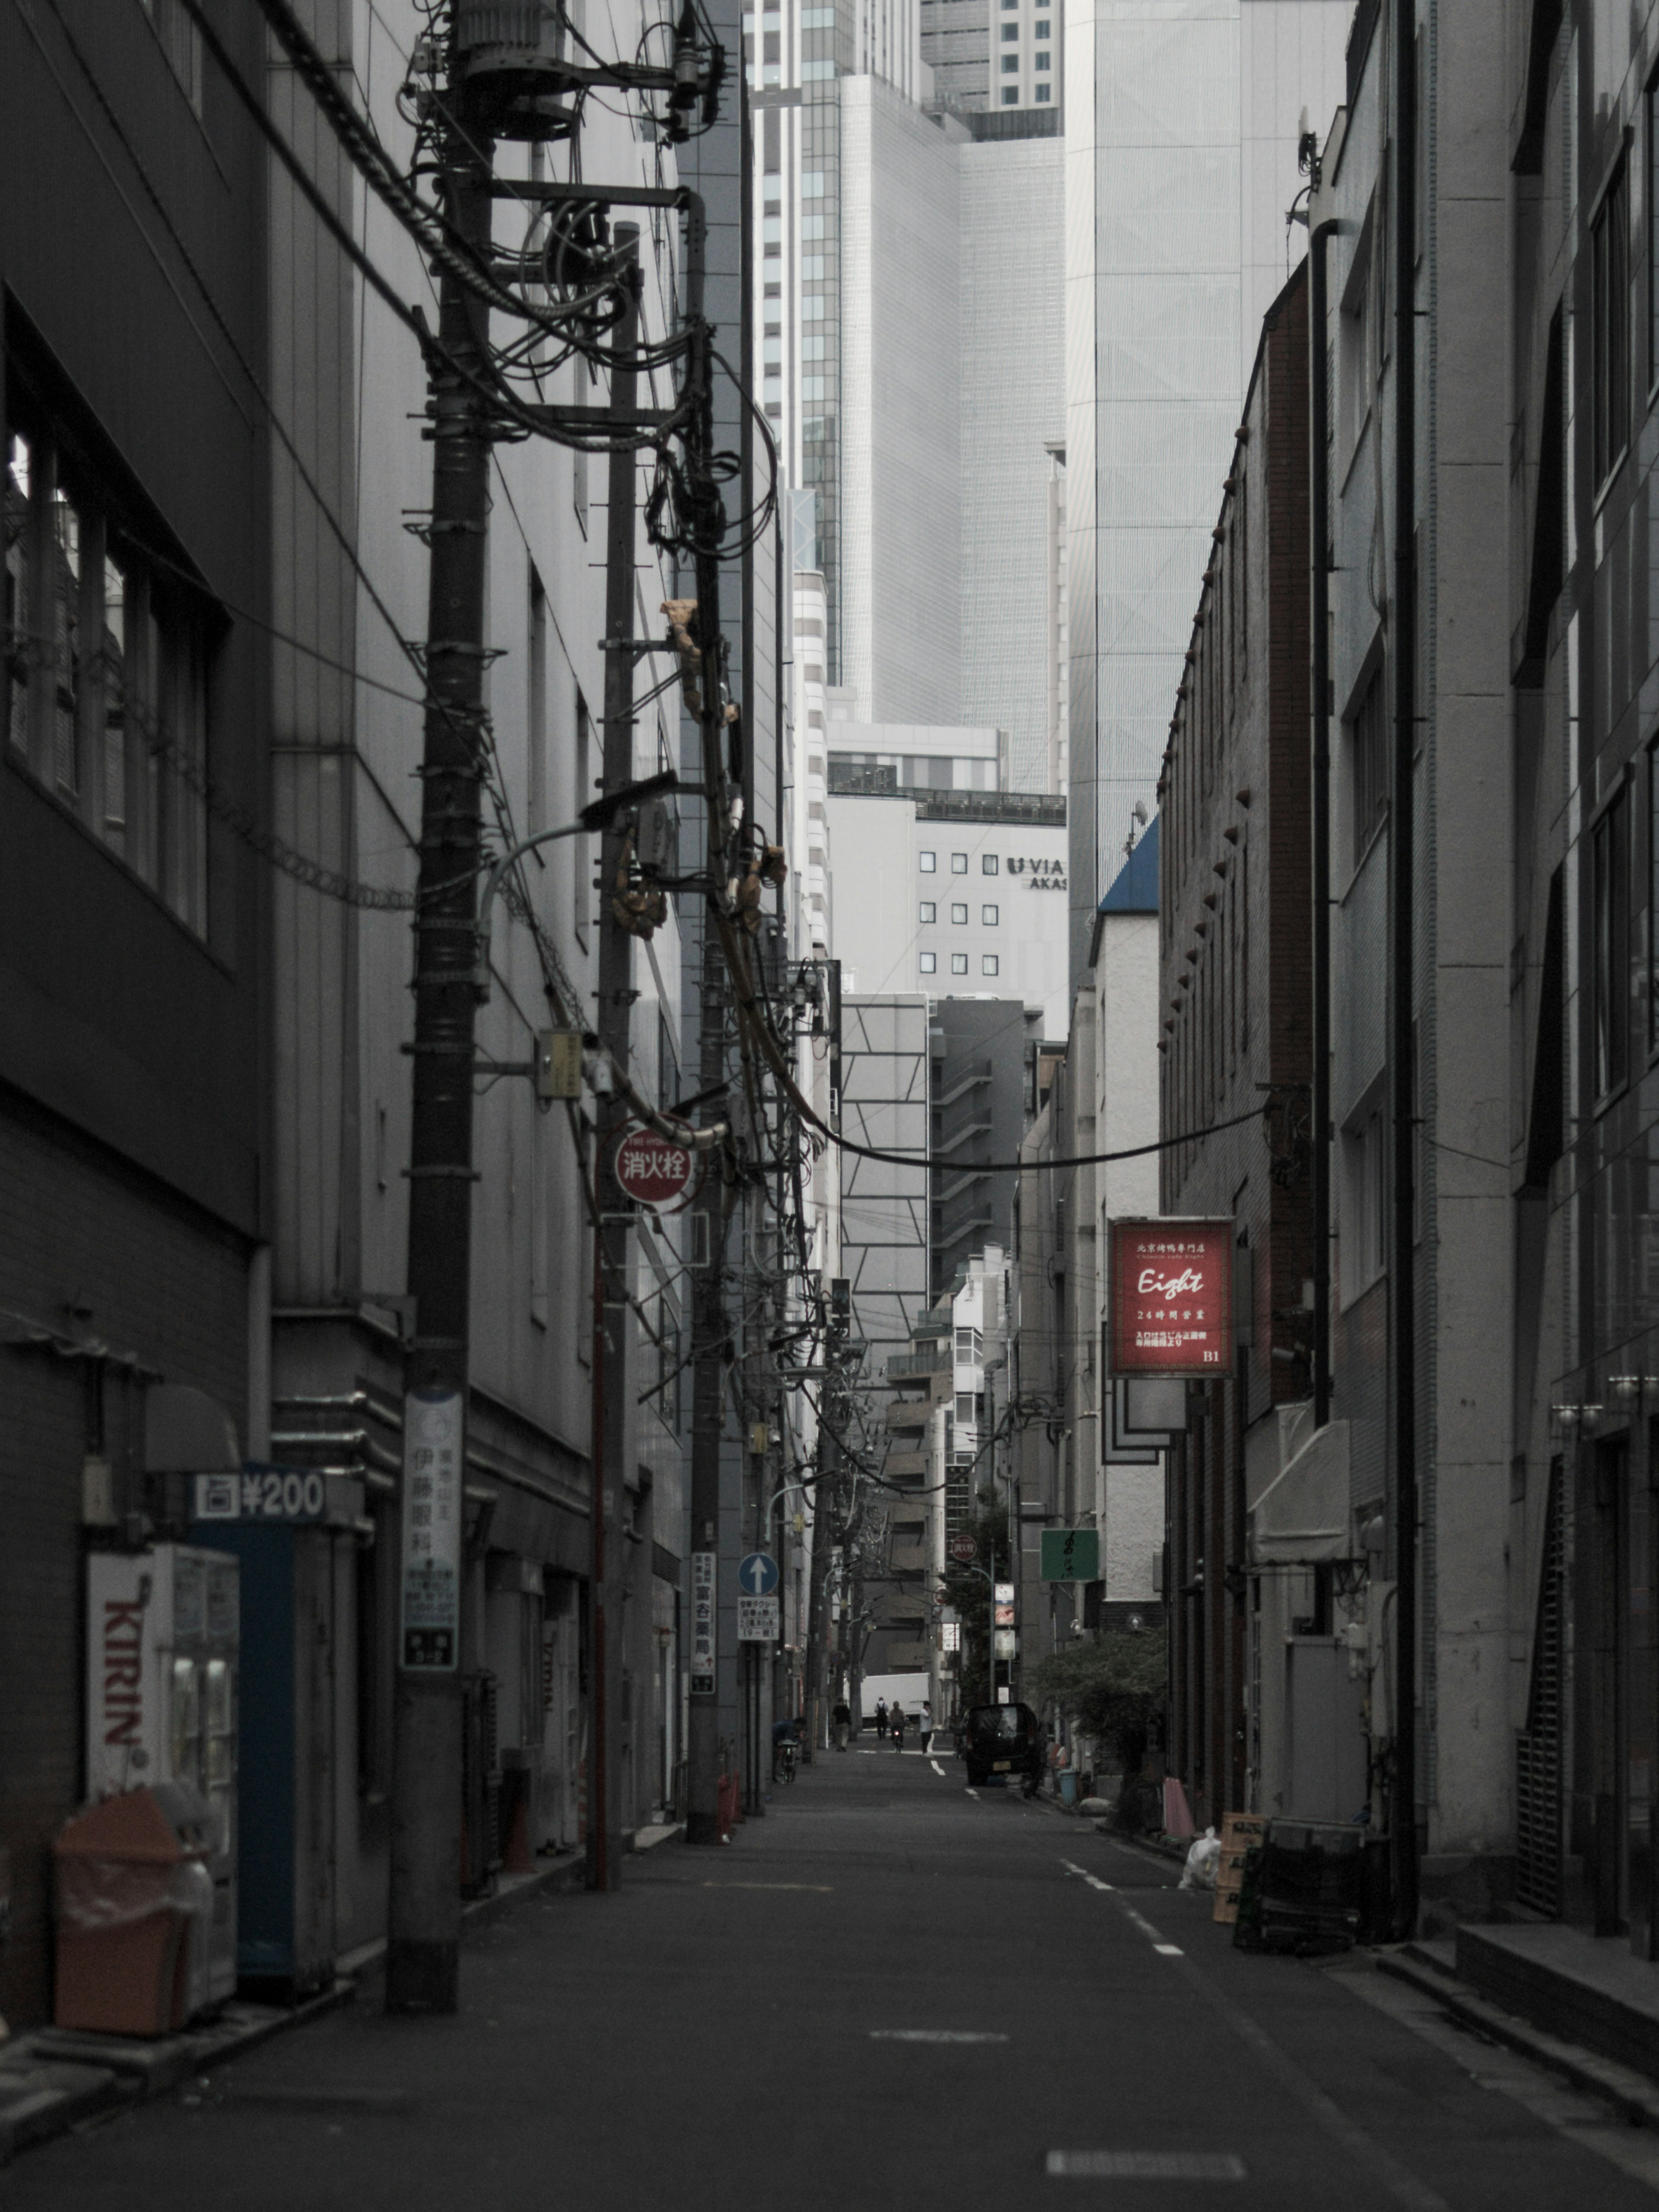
<point>429,1641</point>
<point>1171,1298</point>
<point>702,1624</point>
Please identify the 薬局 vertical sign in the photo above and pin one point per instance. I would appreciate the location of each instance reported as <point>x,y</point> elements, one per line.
<point>1172,1297</point>
<point>433,1456</point>
<point>702,1624</point>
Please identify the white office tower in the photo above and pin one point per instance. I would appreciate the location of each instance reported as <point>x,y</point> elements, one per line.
<point>1181,133</point>
<point>911,334</point>
<point>901,592</point>
<point>1011,327</point>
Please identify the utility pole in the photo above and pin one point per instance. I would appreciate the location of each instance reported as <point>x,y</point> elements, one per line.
<point>1402,1010</point>
<point>613,1026</point>
<point>708,1336</point>
<point>424,1925</point>
<point>710,1329</point>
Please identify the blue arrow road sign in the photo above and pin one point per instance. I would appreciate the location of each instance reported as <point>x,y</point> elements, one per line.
<point>758,1577</point>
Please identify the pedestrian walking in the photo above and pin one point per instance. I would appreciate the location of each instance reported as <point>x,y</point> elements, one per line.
<point>842,1720</point>
<point>925,1726</point>
<point>881,1717</point>
<point>897,1719</point>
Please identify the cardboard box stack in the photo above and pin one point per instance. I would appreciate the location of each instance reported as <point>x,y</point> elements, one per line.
<point>1239,1832</point>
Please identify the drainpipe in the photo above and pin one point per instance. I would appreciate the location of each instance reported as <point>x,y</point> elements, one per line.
<point>1319,274</point>
<point>1402,1286</point>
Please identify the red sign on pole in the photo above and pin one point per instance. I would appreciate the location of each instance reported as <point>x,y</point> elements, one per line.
<point>1172,1297</point>
<point>964,1549</point>
<point>652,1169</point>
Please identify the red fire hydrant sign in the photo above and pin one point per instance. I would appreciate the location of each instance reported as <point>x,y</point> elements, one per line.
<point>1171,1298</point>
<point>651,1169</point>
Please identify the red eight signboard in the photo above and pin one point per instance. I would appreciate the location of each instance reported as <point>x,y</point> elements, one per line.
<point>651,1168</point>
<point>1172,1283</point>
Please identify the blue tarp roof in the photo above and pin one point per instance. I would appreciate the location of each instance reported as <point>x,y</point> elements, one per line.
<point>1135,889</point>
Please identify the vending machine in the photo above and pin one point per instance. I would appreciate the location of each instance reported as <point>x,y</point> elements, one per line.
<point>163,1658</point>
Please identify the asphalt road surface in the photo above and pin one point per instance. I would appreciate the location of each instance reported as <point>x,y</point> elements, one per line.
<point>889,1992</point>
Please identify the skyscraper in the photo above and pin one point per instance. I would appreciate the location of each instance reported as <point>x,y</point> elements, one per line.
<point>1180,165</point>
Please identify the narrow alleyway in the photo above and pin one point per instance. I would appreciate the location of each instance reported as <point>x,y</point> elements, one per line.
<point>890,1992</point>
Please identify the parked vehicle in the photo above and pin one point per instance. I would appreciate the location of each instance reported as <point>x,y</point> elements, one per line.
<point>1005,1740</point>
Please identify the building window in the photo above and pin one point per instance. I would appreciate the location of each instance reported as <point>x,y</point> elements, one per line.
<point>959,916</point>
<point>1042,61</point>
<point>929,963</point>
<point>990,915</point>
<point>1358,348</point>
<point>989,865</point>
<point>929,862</point>
<point>1042,92</point>
<point>1010,31</point>
<point>181,42</point>
<point>958,864</point>
<point>106,666</point>
<point>1610,892</point>
<point>1368,760</point>
<point>989,964</point>
<point>1010,64</point>
<point>1366,1177</point>
<point>1011,95</point>
<point>929,911</point>
<point>958,964</point>
<point>1610,325</point>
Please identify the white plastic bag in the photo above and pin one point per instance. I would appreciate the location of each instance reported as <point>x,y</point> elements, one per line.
<point>1202,1861</point>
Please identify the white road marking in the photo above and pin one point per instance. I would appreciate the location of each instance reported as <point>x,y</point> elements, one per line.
<point>1400,2183</point>
<point>933,2035</point>
<point>1084,1874</point>
<point>821,1888</point>
<point>937,1768</point>
<point>971,1793</point>
<point>1145,2165</point>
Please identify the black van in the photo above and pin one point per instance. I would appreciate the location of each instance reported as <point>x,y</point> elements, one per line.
<point>1002,1740</point>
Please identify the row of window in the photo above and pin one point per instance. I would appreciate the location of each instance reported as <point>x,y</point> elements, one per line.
<point>989,915</point>
<point>1625,954</point>
<point>106,672</point>
<point>989,864</point>
<point>989,964</point>
<point>1611,364</point>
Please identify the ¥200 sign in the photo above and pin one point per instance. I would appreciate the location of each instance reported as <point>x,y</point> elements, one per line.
<point>1171,1298</point>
